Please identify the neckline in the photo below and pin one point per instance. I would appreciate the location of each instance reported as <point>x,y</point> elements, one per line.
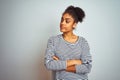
<point>71,42</point>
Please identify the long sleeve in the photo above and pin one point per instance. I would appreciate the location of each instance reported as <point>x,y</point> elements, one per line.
<point>50,63</point>
<point>86,58</point>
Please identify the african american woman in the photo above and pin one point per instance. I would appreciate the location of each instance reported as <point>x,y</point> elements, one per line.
<point>67,54</point>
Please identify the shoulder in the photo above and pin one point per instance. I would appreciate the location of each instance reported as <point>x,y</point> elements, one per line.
<point>56,37</point>
<point>84,43</point>
<point>83,39</point>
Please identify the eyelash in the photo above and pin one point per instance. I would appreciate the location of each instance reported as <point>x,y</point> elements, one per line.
<point>65,21</point>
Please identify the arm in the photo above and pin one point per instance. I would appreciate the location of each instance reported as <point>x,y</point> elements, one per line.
<point>50,63</point>
<point>80,66</point>
<point>70,64</point>
<point>71,69</point>
<point>86,58</point>
<point>73,62</point>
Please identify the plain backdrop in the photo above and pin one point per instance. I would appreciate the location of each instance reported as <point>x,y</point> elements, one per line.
<point>26,25</point>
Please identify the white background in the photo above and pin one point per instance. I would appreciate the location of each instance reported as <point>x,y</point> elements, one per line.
<point>26,25</point>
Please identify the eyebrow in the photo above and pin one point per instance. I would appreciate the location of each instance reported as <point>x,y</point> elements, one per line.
<point>66,18</point>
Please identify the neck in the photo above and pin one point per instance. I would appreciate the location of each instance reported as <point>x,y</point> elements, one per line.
<point>68,35</point>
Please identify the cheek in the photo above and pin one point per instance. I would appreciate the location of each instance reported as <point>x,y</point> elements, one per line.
<point>70,27</point>
<point>66,28</point>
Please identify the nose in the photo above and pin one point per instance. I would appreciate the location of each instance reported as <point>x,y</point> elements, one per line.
<point>62,22</point>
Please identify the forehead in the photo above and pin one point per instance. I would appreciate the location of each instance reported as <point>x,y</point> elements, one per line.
<point>67,16</point>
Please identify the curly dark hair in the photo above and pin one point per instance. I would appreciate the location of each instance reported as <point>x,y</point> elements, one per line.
<point>76,12</point>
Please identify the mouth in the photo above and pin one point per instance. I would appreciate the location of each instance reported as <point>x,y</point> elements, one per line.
<point>62,27</point>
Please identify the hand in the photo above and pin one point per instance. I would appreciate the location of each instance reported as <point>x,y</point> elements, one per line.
<point>55,58</point>
<point>78,62</point>
<point>71,65</point>
<point>71,69</point>
<point>73,62</point>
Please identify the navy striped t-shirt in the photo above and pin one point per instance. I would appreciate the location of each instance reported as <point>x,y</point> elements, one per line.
<point>59,47</point>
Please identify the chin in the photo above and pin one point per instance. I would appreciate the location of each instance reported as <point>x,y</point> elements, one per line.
<point>62,31</point>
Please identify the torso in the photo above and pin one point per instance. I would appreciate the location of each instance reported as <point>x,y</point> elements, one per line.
<point>71,40</point>
<point>67,50</point>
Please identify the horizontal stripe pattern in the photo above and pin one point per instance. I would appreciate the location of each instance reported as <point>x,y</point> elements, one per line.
<point>57,46</point>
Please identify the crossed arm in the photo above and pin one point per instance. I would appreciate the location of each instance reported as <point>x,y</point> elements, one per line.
<point>70,64</point>
<point>84,65</point>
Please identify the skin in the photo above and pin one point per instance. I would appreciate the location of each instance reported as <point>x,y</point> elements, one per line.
<point>67,26</point>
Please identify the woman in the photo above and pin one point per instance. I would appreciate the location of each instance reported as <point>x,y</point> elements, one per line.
<point>68,54</point>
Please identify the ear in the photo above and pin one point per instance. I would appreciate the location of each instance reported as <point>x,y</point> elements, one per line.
<point>74,25</point>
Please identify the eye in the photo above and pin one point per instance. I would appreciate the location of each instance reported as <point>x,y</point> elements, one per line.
<point>67,21</point>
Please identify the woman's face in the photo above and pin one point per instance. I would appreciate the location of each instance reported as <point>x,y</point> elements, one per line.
<point>67,23</point>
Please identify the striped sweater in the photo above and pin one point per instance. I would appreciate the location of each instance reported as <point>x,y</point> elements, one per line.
<point>59,47</point>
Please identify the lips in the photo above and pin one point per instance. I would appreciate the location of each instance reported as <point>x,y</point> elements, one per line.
<point>62,27</point>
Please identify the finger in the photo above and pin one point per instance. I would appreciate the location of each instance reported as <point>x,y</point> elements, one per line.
<point>55,58</point>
